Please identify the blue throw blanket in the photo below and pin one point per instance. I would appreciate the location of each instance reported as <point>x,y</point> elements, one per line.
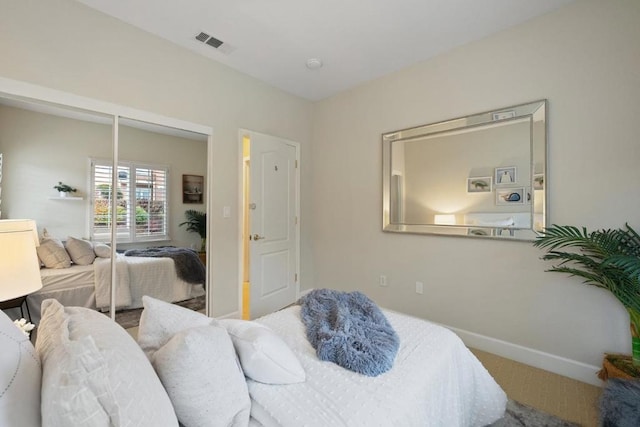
<point>350,330</point>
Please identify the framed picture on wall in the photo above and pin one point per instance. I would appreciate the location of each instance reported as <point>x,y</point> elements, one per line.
<point>192,189</point>
<point>511,196</point>
<point>505,176</point>
<point>479,184</point>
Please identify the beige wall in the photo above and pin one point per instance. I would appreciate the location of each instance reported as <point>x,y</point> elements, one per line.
<point>67,46</point>
<point>585,59</point>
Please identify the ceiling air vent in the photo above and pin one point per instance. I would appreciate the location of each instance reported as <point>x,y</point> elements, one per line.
<point>215,43</point>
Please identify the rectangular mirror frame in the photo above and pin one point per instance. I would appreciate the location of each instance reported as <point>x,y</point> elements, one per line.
<point>534,113</point>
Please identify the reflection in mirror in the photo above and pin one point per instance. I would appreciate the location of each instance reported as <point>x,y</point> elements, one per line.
<point>151,203</point>
<point>44,144</point>
<point>481,175</point>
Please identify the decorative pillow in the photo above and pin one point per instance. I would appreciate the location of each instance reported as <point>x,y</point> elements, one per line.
<point>20,375</point>
<point>264,356</point>
<point>101,250</point>
<point>199,369</point>
<point>52,253</point>
<point>160,321</point>
<point>94,374</point>
<point>80,251</point>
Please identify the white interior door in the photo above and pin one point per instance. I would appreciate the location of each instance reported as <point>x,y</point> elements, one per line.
<point>273,209</point>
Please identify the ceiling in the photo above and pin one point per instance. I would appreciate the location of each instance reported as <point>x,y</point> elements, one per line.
<point>356,40</point>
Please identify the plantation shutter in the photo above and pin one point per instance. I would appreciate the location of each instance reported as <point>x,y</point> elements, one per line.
<point>101,196</point>
<point>142,202</point>
<point>151,202</point>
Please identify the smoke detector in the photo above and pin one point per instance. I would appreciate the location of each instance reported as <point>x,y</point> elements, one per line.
<point>314,63</point>
<point>215,43</point>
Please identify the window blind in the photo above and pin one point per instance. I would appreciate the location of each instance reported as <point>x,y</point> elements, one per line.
<point>142,201</point>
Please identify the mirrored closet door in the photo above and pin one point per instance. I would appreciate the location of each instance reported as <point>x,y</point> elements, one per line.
<point>49,138</point>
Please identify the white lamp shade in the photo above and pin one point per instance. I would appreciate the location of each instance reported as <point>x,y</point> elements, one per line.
<point>19,266</point>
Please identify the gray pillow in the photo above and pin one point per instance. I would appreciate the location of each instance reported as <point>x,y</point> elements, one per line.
<point>52,253</point>
<point>81,251</point>
<point>102,250</point>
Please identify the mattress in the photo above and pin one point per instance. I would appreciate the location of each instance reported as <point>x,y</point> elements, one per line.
<point>76,285</point>
<point>435,381</point>
<point>66,278</point>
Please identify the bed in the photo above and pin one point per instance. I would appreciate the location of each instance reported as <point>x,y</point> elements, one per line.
<point>435,381</point>
<point>190,369</point>
<point>89,285</point>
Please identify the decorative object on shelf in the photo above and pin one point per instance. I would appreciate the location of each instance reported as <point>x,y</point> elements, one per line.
<point>609,259</point>
<point>19,265</point>
<point>192,189</point>
<point>64,189</point>
<point>479,184</point>
<point>197,223</point>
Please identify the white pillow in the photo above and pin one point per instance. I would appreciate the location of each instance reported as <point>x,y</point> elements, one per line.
<point>52,253</point>
<point>199,369</point>
<point>80,251</point>
<point>94,374</point>
<point>20,375</point>
<point>101,250</point>
<point>264,356</point>
<point>160,321</point>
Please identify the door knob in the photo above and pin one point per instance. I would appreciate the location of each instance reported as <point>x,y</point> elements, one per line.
<point>257,237</point>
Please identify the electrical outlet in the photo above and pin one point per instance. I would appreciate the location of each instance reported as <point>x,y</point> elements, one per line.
<point>383,280</point>
<point>419,288</point>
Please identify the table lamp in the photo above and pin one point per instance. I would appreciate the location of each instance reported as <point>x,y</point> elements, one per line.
<point>19,266</point>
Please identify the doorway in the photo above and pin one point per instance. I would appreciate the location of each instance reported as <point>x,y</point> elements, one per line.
<point>270,218</point>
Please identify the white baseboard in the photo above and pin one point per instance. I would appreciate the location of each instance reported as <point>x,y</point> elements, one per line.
<point>538,359</point>
<point>232,315</point>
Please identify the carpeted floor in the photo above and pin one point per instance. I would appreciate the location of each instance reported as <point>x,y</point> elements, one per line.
<point>519,415</point>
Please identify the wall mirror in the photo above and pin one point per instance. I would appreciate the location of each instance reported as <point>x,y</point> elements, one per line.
<point>48,136</point>
<point>483,175</point>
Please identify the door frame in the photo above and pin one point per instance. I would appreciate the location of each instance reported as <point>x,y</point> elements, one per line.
<point>243,206</point>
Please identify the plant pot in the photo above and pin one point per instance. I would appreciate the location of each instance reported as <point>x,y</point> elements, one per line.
<point>616,366</point>
<point>63,194</point>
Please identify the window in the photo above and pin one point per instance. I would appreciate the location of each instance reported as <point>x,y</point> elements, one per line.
<point>142,207</point>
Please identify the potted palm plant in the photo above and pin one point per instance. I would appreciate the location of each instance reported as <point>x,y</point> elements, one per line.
<point>609,259</point>
<point>197,223</point>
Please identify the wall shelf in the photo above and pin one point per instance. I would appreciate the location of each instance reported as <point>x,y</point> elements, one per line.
<point>65,198</point>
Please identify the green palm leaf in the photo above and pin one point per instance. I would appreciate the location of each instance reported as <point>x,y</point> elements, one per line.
<point>609,259</point>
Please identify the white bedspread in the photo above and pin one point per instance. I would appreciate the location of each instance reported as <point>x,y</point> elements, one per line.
<point>435,381</point>
<point>138,276</point>
<point>103,282</point>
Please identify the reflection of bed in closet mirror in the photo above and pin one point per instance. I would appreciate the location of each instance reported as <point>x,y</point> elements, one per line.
<point>82,137</point>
